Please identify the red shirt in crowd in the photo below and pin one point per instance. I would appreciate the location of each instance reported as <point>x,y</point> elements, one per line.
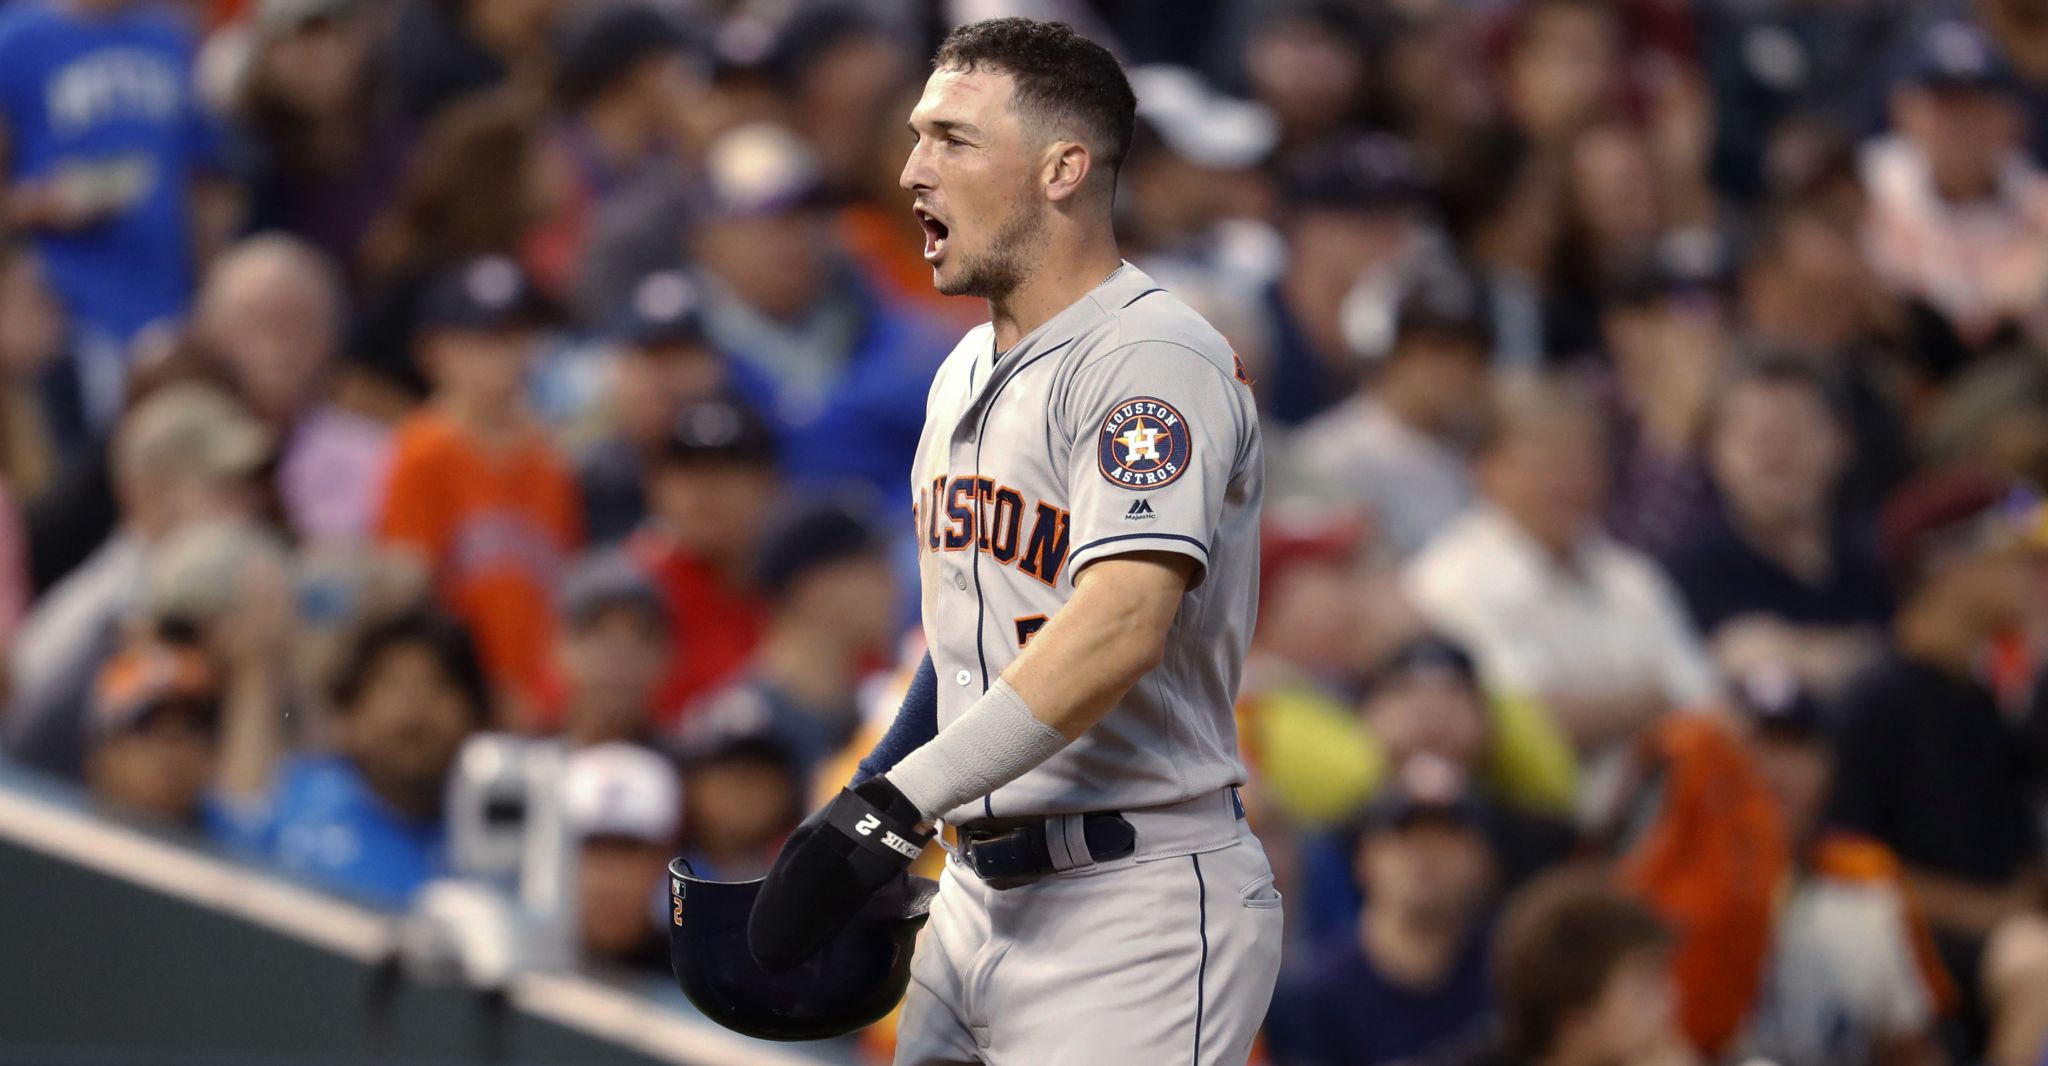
<point>714,626</point>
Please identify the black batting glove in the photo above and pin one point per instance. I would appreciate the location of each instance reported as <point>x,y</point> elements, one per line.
<point>828,868</point>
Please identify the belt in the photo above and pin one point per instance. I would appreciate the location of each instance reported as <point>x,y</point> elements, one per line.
<point>1009,852</point>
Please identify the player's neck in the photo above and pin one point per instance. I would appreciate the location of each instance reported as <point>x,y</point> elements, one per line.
<point>1064,276</point>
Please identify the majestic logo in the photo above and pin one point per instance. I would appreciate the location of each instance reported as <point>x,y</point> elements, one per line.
<point>1140,510</point>
<point>1143,443</point>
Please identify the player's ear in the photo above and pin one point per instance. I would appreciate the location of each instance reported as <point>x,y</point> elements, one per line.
<point>1067,167</point>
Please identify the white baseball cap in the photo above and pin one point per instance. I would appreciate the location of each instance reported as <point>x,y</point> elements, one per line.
<point>623,790</point>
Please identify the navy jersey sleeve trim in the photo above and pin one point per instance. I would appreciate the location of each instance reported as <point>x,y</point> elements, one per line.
<point>1094,544</point>
<point>1140,296</point>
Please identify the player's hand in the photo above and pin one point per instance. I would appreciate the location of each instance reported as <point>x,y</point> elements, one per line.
<point>829,867</point>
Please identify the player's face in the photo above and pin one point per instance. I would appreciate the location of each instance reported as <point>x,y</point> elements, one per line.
<point>974,168</point>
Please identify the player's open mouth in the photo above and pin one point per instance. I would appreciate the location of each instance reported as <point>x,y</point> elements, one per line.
<point>934,234</point>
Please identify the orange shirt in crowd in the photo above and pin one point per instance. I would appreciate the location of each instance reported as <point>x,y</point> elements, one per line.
<point>497,530</point>
<point>714,626</point>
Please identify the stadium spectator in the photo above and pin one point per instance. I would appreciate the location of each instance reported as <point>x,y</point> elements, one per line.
<point>1397,448</point>
<point>1547,604</point>
<point>838,71</point>
<point>1851,976</point>
<point>1351,225</point>
<point>1422,704</point>
<point>14,583</point>
<point>1563,68</point>
<point>185,454</point>
<point>271,313</point>
<point>1805,293</point>
<point>444,50</point>
<point>620,92</point>
<point>1411,977</point>
<point>624,803</point>
<point>613,650</point>
<point>836,368</point>
<point>1958,217</point>
<point>1665,322</point>
<point>832,615</point>
<point>111,160</point>
<point>742,795</point>
<point>1928,762</point>
<point>477,183</point>
<point>325,154</point>
<point>1307,64</point>
<point>664,362</point>
<point>1581,975</point>
<point>1777,577</point>
<point>152,732</point>
<point>476,489</point>
<point>710,493</point>
<point>367,819</point>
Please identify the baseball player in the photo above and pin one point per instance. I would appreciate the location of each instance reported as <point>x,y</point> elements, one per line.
<point>1087,505</point>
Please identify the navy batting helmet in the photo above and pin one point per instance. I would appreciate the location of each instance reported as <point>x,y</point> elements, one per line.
<point>857,978</point>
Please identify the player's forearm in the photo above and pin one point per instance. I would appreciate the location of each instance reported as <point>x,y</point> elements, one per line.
<point>1112,633</point>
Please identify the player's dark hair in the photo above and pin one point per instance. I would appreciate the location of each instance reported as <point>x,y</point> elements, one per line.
<point>1562,938</point>
<point>442,637</point>
<point>1064,80</point>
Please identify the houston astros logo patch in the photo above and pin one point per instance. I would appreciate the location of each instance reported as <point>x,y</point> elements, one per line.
<point>1143,443</point>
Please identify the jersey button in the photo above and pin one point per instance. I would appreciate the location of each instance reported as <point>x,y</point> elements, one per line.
<point>962,678</point>
<point>960,582</point>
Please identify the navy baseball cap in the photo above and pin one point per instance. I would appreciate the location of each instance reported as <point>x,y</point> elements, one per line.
<point>1376,172</point>
<point>1957,55</point>
<point>720,430</point>
<point>608,45</point>
<point>813,538</point>
<point>486,294</point>
<point>606,581</point>
<point>665,308</point>
<point>1450,305</point>
<point>1426,788</point>
<point>1428,655</point>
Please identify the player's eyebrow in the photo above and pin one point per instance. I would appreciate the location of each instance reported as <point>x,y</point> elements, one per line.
<point>947,125</point>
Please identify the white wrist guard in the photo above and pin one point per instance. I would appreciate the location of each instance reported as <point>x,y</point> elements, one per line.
<point>994,743</point>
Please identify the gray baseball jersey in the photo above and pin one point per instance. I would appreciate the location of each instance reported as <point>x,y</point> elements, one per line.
<point>1124,423</point>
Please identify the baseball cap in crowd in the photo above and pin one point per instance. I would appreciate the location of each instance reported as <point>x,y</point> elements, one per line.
<point>1375,172</point>
<point>605,581</point>
<point>1778,705</point>
<point>1425,657</point>
<point>193,429</point>
<point>720,430</point>
<point>1689,261</point>
<point>1951,513</point>
<point>487,293</point>
<point>623,791</point>
<point>1199,124</point>
<point>286,16</point>
<point>606,46</point>
<point>1446,303</point>
<point>810,539</point>
<point>151,676</point>
<point>759,169</point>
<point>665,308</point>
<point>1957,55</point>
<point>1425,788</point>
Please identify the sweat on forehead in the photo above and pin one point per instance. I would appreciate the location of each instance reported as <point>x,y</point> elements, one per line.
<point>1064,82</point>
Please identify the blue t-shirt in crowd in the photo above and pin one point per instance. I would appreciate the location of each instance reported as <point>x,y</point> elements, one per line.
<point>1338,1010</point>
<point>106,102</point>
<point>325,824</point>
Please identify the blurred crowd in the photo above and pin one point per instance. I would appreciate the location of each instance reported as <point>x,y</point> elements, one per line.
<point>1655,570</point>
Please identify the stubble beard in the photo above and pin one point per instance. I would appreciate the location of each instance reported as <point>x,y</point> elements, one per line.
<point>1009,260</point>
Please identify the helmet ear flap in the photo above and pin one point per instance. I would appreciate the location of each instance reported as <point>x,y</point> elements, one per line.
<point>854,981</point>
